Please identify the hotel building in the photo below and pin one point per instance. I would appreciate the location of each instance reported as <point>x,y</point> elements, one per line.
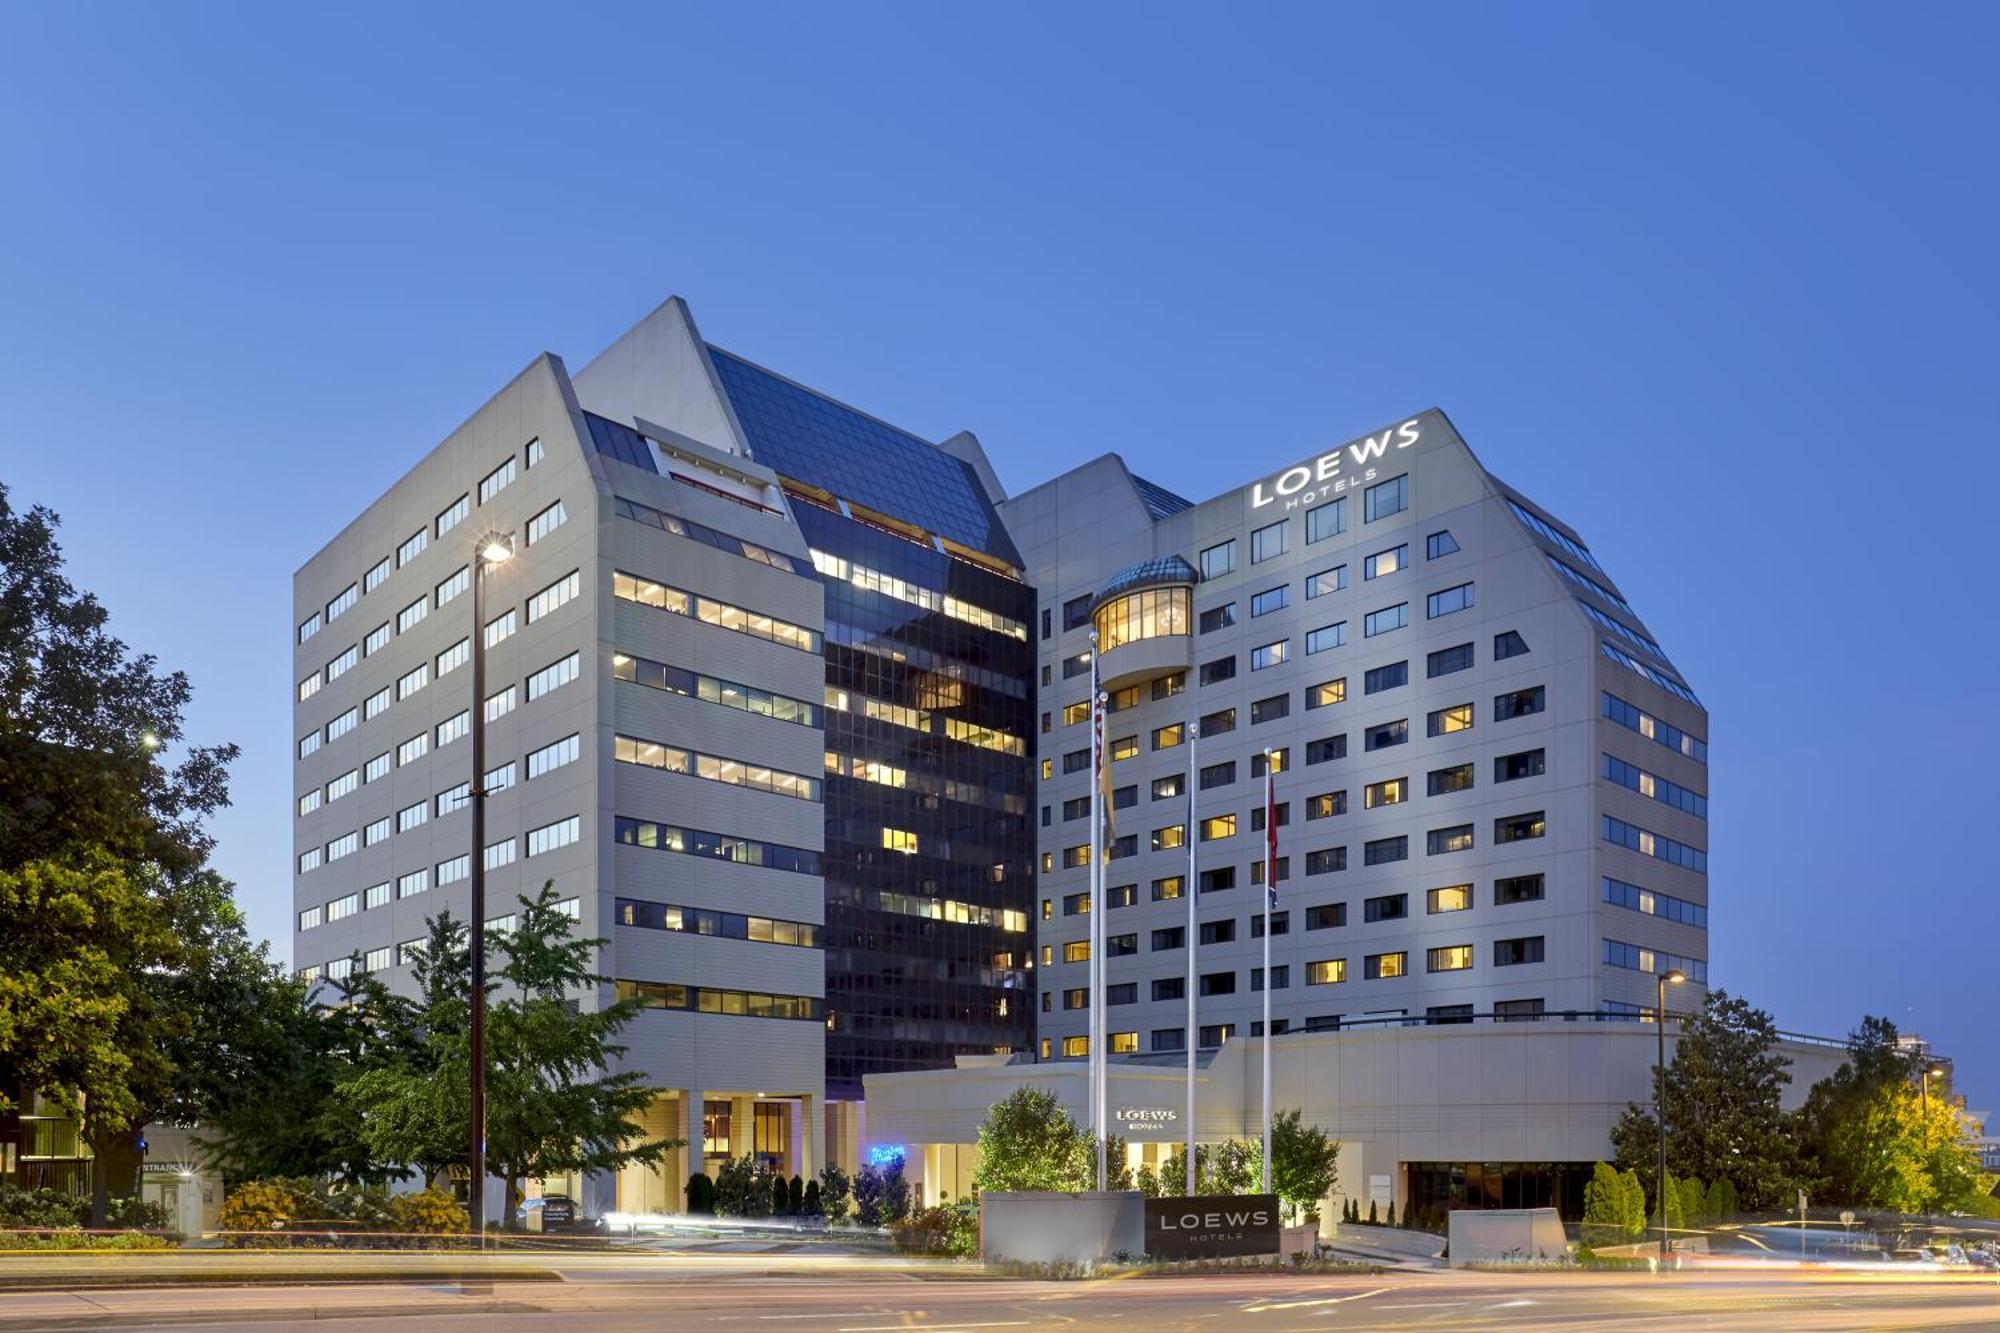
<point>758,702</point>
<point>791,707</point>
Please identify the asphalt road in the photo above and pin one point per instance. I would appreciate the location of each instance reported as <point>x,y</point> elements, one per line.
<point>712,1297</point>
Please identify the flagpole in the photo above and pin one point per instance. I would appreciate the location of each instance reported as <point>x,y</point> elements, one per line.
<point>1270,896</point>
<point>1188,891</point>
<point>1098,1110</point>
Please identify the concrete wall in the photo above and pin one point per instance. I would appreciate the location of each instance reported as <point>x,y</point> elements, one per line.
<point>1061,1228</point>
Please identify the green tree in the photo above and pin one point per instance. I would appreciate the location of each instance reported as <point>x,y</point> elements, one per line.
<point>1676,1210</point>
<point>1029,1142</point>
<point>554,1106</point>
<point>1304,1163</point>
<point>1635,1212</point>
<point>835,1193</point>
<point>1694,1202</point>
<point>84,726</point>
<point>1604,1207</point>
<point>281,1113</point>
<point>1724,1118</point>
<point>1232,1166</point>
<point>84,722</point>
<point>415,1109</point>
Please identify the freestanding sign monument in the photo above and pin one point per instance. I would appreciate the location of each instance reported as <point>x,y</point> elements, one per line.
<point>1212,1226</point>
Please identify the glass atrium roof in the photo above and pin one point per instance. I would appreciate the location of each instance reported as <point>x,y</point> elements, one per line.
<point>811,438</point>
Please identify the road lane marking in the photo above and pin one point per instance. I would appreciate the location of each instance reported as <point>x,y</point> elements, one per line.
<point>935,1327</point>
<point>1298,1305</point>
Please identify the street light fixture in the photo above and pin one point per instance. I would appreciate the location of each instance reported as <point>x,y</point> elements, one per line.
<point>1673,976</point>
<point>1929,1072</point>
<point>493,549</point>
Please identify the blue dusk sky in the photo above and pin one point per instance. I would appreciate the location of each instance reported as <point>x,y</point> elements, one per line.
<point>1715,284</point>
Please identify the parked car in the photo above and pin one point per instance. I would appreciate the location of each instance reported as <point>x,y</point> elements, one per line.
<point>551,1212</point>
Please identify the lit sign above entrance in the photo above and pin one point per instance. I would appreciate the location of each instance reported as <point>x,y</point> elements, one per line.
<point>1334,471</point>
<point>1147,1115</point>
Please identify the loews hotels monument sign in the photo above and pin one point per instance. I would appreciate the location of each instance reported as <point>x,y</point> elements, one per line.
<point>1212,1226</point>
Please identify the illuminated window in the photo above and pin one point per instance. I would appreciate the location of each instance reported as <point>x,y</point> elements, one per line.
<point>899,840</point>
<point>1326,805</point>
<point>1457,838</point>
<point>1452,898</point>
<point>1076,712</point>
<point>1382,966</point>
<point>1076,1046</point>
<point>1384,563</point>
<point>1167,737</point>
<point>1326,692</point>
<point>1173,835</point>
<point>1391,791</point>
<point>1449,958</point>
<point>1327,972</point>
<point>1218,826</point>
<point>1445,721</point>
<point>1076,951</point>
<point>1151,614</point>
<point>1124,747</point>
<point>1269,655</point>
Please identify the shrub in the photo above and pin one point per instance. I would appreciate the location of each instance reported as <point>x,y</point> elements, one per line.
<point>781,1196</point>
<point>71,1238</point>
<point>740,1190</point>
<point>263,1209</point>
<point>42,1208</point>
<point>1372,1219</point>
<point>942,1229</point>
<point>835,1192</point>
<point>795,1197</point>
<point>429,1212</point>
<point>809,1204</point>
<point>701,1195</point>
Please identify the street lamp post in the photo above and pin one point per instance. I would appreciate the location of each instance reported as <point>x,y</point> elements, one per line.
<point>1671,977</point>
<point>493,549</point>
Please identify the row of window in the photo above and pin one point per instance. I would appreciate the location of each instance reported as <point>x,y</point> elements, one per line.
<point>537,841</point>
<point>722,925</point>
<point>1331,580</point>
<point>1441,722</point>
<point>645,592</point>
<point>450,517</point>
<point>1634,718</point>
<point>1637,779</point>
<point>716,1000</point>
<point>1214,1035</point>
<point>1622,834</point>
<point>551,677</point>
<point>409,952</point>
<point>1321,522</point>
<point>557,594</point>
<point>711,689</point>
<point>1663,905</point>
<point>1654,961</point>
<point>712,768</point>
<point>720,846</point>
<point>916,594</point>
<point>721,541</point>
<point>1507,891</point>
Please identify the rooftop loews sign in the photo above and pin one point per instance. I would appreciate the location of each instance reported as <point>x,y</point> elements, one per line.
<point>1335,471</point>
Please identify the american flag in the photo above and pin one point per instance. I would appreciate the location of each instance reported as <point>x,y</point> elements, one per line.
<point>1271,828</point>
